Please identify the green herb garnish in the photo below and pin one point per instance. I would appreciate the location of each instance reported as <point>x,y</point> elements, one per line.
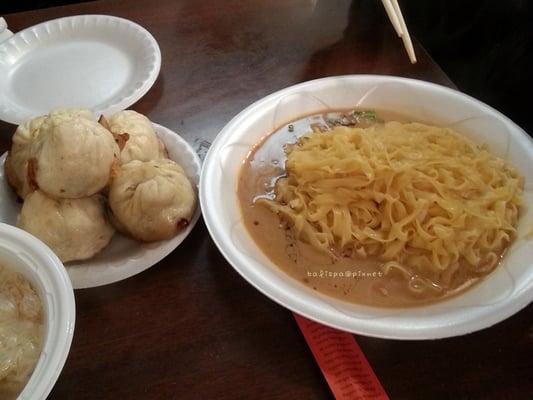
<point>369,114</point>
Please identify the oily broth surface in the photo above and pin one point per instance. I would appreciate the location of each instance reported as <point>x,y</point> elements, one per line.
<point>355,280</point>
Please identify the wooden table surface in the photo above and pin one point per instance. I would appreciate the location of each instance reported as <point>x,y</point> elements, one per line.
<point>190,327</point>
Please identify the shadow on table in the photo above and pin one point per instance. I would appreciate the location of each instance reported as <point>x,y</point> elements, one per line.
<point>484,47</point>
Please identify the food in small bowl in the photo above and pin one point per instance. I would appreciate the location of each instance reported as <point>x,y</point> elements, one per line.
<point>379,205</point>
<point>63,166</point>
<point>21,331</point>
<point>37,316</point>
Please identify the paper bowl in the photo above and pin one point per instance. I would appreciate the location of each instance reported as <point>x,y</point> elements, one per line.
<point>501,294</point>
<point>27,255</point>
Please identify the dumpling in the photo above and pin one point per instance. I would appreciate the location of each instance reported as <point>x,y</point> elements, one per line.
<point>151,200</point>
<point>136,137</point>
<point>72,157</point>
<point>70,113</point>
<point>17,158</point>
<point>75,229</point>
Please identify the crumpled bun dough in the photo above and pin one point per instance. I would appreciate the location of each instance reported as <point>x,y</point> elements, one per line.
<point>72,157</point>
<point>75,229</point>
<point>136,134</point>
<point>152,200</point>
<point>71,113</point>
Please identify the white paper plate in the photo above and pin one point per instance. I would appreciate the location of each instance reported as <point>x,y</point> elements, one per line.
<point>98,62</point>
<point>123,257</point>
<point>508,289</point>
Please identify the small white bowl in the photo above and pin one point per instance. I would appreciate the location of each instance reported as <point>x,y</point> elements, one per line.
<point>27,255</point>
<point>505,291</point>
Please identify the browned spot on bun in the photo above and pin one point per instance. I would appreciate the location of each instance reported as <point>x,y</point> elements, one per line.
<point>182,223</point>
<point>32,180</point>
<point>103,121</point>
<point>115,168</point>
<point>122,139</point>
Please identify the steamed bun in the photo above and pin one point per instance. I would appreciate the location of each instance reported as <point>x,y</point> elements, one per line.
<point>71,113</point>
<point>17,158</point>
<point>138,135</point>
<point>75,229</point>
<point>72,157</point>
<point>151,200</point>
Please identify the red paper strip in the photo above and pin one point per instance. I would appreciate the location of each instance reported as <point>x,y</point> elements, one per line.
<point>345,367</point>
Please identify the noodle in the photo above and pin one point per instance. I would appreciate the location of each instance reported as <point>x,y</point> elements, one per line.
<point>423,199</point>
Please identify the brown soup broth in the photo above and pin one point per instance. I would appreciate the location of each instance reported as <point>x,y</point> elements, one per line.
<point>355,280</point>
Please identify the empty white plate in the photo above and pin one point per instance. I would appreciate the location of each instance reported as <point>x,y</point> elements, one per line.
<point>123,257</point>
<point>99,62</point>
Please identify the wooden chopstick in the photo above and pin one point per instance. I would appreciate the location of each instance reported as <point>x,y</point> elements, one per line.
<point>391,12</point>
<point>395,14</point>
